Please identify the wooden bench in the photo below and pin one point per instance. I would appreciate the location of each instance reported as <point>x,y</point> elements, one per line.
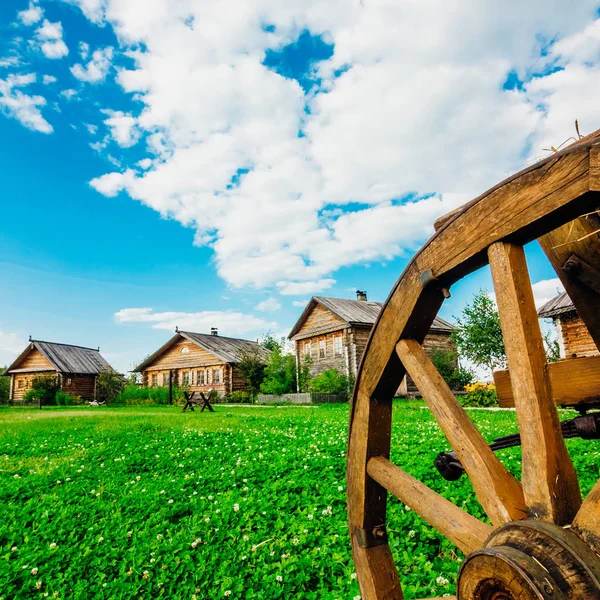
<point>202,400</point>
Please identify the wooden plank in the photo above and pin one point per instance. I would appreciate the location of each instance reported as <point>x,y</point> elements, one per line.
<point>559,245</point>
<point>573,381</point>
<point>549,480</point>
<point>587,521</point>
<point>497,490</point>
<point>462,529</point>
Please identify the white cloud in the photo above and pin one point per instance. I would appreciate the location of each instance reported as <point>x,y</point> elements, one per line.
<point>20,106</point>
<point>544,291</point>
<point>50,40</point>
<point>300,303</point>
<point>229,323</point>
<point>96,69</point>
<point>10,347</point>
<point>92,9</point>
<point>145,163</point>
<point>295,288</point>
<point>91,128</point>
<point>69,94</point>
<point>269,305</point>
<point>48,79</point>
<point>9,61</point>
<point>31,15</point>
<point>123,128</point>
<point>417,122</point>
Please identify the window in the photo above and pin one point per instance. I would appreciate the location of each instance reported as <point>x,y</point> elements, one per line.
<point>200,377</point>
<point>165,379</point>
<point>216,376</point>
<point>154,379</point>
<point>307,349</point>
<point>337,345</point>
<point>185,380</point>
<point>184,350</point>
<point>322,350</point>
<point>69,381</point>
<point>20,383</point>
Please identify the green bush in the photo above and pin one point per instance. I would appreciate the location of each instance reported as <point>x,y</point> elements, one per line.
<point>480,394</point>
<point>331,382</point>
<point>108,386</point>
<point>44,389</point>
<point>4,387</point>
<point>239,398</point>
<point>280,373</point>
<point>446,362</point>
<point>64,399</point>
<point>132,394</point>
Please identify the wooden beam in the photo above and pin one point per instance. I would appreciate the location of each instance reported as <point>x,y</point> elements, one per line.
<point>497,490</point>
<point>463,530</point>
<point>573,381</point>
<point>549,480</point>
<point>577,238</point>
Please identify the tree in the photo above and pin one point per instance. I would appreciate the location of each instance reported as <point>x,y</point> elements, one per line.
<point>280,372</point>
<point>446,362</point>
<point>109,385</point>
<point>270,343</point>
<point>478,335</point>
<point>303,377</point>
<point>4,386</point>
<point>252,369</point>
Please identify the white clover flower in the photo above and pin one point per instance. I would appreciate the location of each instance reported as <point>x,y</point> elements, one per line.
<point>279,578</point>
<point>340,488</point>
<point>38,584</point>
<point>53,545</point>
<point>145,575</point>
<point>236,507</point>
<point>14,549</point>
<point>411,533</point>
<point>441,581</point>
<point>353,576</point>
<point>171,501</point>
<point>356,598</point>
<point>100,540</point>
<point>295,541</point>
<point>227,593</point>
<point>310,517</point>
<point>34,571</point>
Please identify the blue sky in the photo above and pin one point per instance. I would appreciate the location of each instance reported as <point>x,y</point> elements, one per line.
<point>186,163</point>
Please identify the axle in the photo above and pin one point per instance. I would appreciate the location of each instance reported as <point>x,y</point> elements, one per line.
<point>586,427</point>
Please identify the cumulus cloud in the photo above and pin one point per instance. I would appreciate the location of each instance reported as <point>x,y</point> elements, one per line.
<point>269,305</point>
<point>10,347</point>
<point>21,106</point>
<point>229,323</point>
<point>123,128</point>
<point>69,94</point>
<point>404,123</point>
<point>96,69</point>
<point>48,79</point>
<point>31,15</point>
<point>50,40</point>
<point>545,290</point>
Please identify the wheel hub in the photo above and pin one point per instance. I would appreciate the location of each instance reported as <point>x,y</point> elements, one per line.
<point>530,560</point>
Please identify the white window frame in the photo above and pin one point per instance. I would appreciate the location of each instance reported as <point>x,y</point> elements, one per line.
<point>154,380</point>
<point>338,345</point>
<point>307,349</point>
<point>322,347</point>
<point>217,376</point>
<point>201,377</point>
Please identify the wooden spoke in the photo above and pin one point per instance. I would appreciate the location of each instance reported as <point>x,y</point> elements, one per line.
<point>549,480</point>
<point>587,520</point>
<point>577,238</point>
<point>573,381</point>
<point>467,532</point>
<point>498,491</point>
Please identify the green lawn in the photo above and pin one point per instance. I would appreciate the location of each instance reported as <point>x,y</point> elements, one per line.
<point>147,502</point>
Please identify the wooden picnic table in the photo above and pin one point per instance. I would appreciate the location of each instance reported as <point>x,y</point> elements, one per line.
<point>191,400</point>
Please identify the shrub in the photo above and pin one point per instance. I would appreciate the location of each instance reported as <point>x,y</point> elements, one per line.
<point>280,373</point>
<point>64,399</point>
<point>252,369</point>
<point>330,381</point>
<point>4,387</point>
<point>446,362</point>
<point>132,394</point>
<point>480,394</point>
<point>239,398</point>
<point>43,389</point>
<point>108,386</point>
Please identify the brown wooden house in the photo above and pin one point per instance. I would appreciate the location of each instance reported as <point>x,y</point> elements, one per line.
<point>199,362</point>
<point>574,339</point>
<point>334,333</point>
<point>76,368</point>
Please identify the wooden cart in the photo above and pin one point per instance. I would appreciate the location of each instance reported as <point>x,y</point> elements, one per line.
<point>543,541</point>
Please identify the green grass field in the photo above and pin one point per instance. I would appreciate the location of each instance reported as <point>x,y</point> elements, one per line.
<point>147,502</point>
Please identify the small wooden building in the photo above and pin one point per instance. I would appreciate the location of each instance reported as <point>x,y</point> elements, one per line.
<point>334,333</point>
<point>574,339</point>
<point>76,368</point>
<point>199,362</point>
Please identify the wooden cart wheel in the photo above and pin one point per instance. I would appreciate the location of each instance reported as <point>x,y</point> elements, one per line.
<point>544,542</point>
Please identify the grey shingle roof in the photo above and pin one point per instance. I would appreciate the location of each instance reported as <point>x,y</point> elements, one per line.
<point>557,306</point>
<point>357,312</point>
<point>68,359</point>
<point>225,348</point>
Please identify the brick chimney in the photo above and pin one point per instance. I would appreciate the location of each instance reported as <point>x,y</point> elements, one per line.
<point>214,331</point>
<point>361,296</point>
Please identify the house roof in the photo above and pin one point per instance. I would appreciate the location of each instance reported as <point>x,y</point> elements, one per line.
<point>559,305</point>
<point>65,358</point>
<point>225,348</point>
<point>355,312</point>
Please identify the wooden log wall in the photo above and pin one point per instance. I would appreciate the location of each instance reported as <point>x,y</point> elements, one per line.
<point>79,385</point>
<point>195,375</point>
<point>576,338</point>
